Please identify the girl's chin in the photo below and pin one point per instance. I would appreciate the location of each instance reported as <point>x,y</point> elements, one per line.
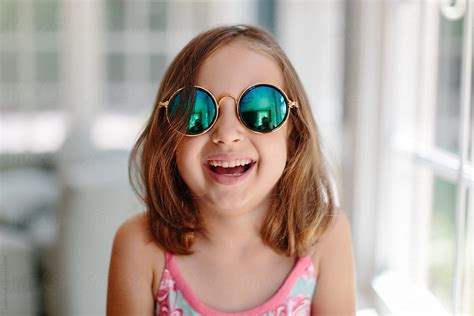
<point>229,205</point>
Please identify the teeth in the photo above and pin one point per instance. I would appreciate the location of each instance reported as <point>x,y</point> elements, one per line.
<point>229,163</point>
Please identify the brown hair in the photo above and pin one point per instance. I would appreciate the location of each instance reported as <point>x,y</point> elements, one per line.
<point>303,200</point>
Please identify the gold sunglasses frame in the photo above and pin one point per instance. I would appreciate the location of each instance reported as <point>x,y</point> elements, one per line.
<point>291,105</point>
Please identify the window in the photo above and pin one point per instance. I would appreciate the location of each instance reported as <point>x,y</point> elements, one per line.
<point>9,66</point>
<point>8,15</point>
<point>46,67</point>
<point>442,240</point>
<point>115,13</point>
<point>29,57</point>
<point>414,173</point>
<point>158,15</point>
<point>157,67</point>
<point>46,15</point>
<point>116,67</point>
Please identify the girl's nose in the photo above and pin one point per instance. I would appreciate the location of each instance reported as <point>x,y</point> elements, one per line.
<point>227,129</point>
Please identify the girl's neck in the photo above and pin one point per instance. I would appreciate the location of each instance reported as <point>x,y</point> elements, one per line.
<point>233,235</point>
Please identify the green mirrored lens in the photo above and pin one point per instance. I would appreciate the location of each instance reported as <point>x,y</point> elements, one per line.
<point>201,113</point>
<point>263,108</point>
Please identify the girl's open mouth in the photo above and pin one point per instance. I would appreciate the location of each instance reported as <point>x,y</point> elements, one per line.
<point>231,171</point>
<point>230,175</point>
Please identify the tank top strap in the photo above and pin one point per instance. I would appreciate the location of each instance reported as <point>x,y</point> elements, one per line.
<point>168,258</point>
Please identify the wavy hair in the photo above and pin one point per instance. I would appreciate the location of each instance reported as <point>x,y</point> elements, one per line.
<point>303,201</point>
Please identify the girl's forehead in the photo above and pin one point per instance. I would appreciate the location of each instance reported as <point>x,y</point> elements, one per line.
<point>234,67</point>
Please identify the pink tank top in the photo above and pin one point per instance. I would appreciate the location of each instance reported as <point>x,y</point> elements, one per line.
<point>294,296</point>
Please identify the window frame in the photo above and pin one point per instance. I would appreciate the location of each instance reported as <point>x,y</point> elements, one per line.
<point>372,84</point>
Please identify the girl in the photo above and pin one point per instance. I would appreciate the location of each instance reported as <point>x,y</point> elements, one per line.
<point>240,216</point>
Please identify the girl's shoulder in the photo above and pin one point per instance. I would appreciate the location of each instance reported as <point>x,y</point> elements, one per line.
<point>335,292</point>
<point>136,231</point>
<point>134,260</point>
<point>134,237</point>
<point>338,225</point>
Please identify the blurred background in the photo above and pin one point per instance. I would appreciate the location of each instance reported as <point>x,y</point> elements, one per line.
<point>390,84</point>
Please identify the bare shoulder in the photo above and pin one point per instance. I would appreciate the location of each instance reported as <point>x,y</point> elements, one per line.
<point>338,226</point>
<point>136,229</point>
<point>136,262</point>
<point>136,234</point>
<point>335,289</point>
<point>338,229</point>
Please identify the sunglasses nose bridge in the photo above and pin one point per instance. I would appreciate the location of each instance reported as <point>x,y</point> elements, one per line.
<point>226,96</point>
<point>223,98</point>
<point>227,128</point>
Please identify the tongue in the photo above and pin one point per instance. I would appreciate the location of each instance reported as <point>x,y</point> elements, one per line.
<point>232,170</point>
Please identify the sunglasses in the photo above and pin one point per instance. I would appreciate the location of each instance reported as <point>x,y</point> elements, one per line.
<point>262,108</point>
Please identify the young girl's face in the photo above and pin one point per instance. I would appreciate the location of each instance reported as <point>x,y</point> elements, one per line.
<point>229,71</point>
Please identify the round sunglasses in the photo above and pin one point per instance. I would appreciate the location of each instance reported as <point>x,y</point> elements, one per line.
<point>261,108</point>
